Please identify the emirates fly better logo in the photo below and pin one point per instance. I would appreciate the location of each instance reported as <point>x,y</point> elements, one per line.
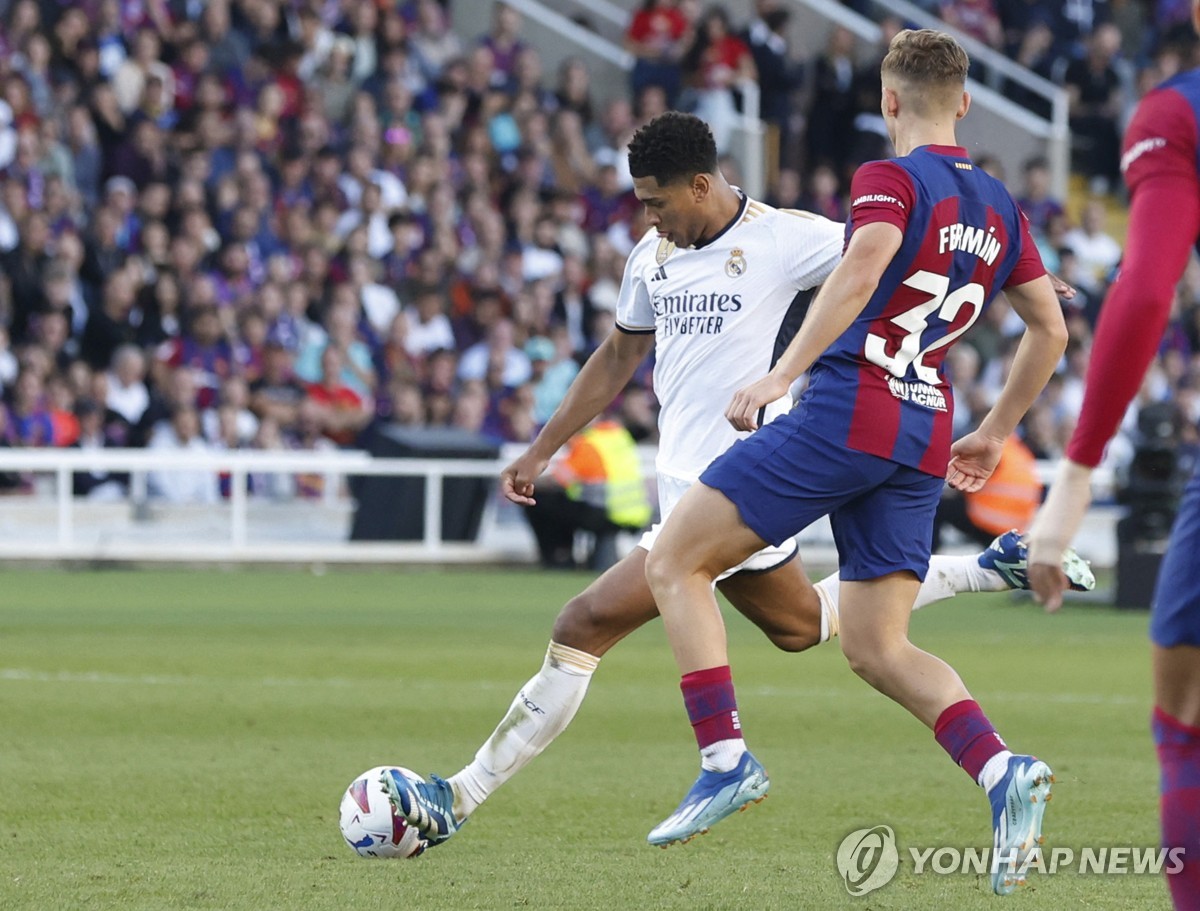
<point>868,859</point>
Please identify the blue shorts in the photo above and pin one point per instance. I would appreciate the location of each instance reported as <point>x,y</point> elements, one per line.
<point>785,476</point>
<point>1175,615</point>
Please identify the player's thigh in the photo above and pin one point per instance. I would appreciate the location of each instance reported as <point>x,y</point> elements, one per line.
<point>888,528</point>
<point>1177,682</point>
<point>1175,614</point>
<point>780,601</point>
<point>704,534</point>
<point>608,610</point>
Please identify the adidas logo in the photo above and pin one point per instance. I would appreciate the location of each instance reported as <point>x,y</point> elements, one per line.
<point>660,275</point>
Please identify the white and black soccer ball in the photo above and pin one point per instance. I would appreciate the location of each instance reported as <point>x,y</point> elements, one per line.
<point>369,824</point>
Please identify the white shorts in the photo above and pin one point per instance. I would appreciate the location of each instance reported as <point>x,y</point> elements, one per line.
<point>671,490</point>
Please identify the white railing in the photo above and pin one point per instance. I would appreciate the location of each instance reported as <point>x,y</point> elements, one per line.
<point>573,32</point>
<point>139,536</point>
<point>52,524</point>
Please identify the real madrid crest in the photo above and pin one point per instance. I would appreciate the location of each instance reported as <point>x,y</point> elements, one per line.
<point>665,249</point>
<point>736,264</point>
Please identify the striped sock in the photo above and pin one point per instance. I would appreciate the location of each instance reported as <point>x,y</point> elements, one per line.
<point>965,733</point>
<point>1178,747</point>
<point>712,710</point>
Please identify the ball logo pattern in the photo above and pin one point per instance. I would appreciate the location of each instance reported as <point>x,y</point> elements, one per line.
<point>369,824</point>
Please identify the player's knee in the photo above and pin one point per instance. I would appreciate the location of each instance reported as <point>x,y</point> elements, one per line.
<point>868,663</point>
<point>795,640</point>
<point>581,624</point>
<point>661,570</point>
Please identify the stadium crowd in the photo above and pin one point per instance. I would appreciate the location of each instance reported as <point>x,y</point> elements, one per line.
<point>275,223</point>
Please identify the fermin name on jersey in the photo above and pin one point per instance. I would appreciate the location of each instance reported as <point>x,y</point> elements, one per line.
<point>958,236</point>
<point>918,393</point>
<point>694,313</point>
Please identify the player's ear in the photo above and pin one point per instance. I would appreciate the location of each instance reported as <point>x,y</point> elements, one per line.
<point>963,106</point>
<point>701,184</point>
<point>890,105</point>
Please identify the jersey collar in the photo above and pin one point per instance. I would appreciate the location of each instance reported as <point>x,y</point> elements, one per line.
<point>733,221</point>
<point>952,151</point>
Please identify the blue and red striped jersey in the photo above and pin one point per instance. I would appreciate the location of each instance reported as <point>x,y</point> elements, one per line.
<point>880,387</point>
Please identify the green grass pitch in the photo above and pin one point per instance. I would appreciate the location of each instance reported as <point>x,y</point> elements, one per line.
<point>181,739</point>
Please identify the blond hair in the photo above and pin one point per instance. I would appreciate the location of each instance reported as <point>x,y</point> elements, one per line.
<point>929,64</point>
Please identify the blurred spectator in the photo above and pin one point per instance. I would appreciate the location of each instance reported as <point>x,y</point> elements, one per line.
<point>1035,198</point>
<point>341,325</point>
<point>658,35</point>
<point>597,487</point>
<point>97,483</point>
<point>204,351</point>
<point>830,134</point>
<point>552,370</point>
<point>976,18</point>
<point>276,395</point>
<point>1095,95</point>
<point>503,40</point>
<point>778,77</point>
<point>824,196</point>
<point>181,434</point>
<point>127,396</point>
<point>428,325</point>
<point>1098,251</point>
<point>712,67</point>
<point>500,350</point>
<point>341,411</point>
<point>231,423</point>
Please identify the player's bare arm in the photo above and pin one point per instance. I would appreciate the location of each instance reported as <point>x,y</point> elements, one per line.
<point>1135,316</point>
<point>604,375</point>
<point>838,303</point>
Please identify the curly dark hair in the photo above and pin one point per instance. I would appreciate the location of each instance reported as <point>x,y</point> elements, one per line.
<point>673,147</point>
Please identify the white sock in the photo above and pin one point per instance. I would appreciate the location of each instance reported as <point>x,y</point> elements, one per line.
<point>947,577</point>
<point>950,576</point>
<point>723,755</point>
<point>827,593</point>
<point>993,770</point>
<point>540,712</point>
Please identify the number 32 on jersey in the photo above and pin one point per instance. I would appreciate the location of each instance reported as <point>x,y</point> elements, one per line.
<point>915,321</point>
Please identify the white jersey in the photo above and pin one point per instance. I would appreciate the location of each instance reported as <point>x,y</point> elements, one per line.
<point>721,314</point>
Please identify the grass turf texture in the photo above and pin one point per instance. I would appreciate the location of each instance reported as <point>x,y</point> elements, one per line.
<point>181,739</point>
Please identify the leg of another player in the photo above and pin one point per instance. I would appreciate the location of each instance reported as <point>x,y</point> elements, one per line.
<point>874,632</point>
<point>704,537</point>
<point>1176,726</point>
<point>783,603</point>
<point>1175,632</point>
<point>591,623</point>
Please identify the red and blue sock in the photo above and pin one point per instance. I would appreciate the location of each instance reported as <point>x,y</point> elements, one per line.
<point>1178,747</point>
<point>712,710</point>
<point>963,731</point>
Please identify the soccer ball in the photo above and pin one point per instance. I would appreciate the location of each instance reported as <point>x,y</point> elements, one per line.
<point>370,825</point>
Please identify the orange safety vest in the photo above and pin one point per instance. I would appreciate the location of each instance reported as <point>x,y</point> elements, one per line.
<point>1011,495</point>
<point>602,467</point>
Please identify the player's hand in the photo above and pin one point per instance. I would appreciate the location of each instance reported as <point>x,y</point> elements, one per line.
<point>516,481</point>
<point>1047,582</point>
<point>972,461</point>
<point>743,410</point>
<point>1061,288</point>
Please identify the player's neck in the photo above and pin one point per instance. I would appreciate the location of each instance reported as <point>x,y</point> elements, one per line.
<point>911,136</point>
<point>726,204</point>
